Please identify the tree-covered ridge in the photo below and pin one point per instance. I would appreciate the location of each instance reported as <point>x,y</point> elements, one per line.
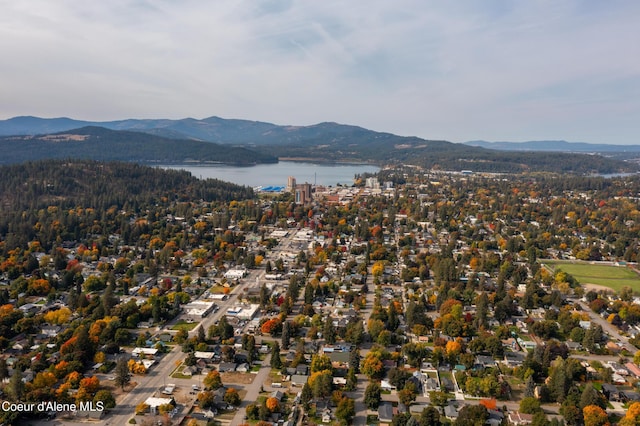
<point>387,148</point>
<point>101,144</point>
<point>36,194</point>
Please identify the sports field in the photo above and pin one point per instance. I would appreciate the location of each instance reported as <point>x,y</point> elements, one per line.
<point>614,277</point>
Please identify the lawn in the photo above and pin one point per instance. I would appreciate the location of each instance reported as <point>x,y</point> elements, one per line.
<point>614,277</point>
<point>184,325</point>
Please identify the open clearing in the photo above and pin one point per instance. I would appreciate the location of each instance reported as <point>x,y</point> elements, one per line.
<point>611,276</point>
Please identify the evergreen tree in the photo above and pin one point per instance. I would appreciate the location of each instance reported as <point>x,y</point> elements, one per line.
<point>530,386</point>
<point>328,332</point>
<point>276,361</point>
<point>122,375</point>
<point>16,385</point>
<point>286,335</point>
<point>306,396</point>
<point>354,359</point>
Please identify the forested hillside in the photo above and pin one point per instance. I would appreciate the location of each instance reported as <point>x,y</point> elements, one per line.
<point>96,143</point>
<point>35,196</point>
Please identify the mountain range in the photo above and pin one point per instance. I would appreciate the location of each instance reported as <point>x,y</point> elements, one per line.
<point>555,146</point>
<point>245,142</point>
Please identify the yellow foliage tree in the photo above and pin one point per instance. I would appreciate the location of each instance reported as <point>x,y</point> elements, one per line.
<point>632,417</point>
<point>59,316</point>
<point>595,416</point>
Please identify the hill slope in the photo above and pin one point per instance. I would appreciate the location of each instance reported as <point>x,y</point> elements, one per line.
<point>97,143</point>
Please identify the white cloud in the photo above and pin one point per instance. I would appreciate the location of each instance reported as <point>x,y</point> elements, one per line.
<point>449,70</point>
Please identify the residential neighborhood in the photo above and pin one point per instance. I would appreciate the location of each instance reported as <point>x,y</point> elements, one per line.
<point>410,297</point>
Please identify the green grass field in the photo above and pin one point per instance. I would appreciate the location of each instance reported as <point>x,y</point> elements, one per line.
<point>614,277</point>
<point>184,325</point>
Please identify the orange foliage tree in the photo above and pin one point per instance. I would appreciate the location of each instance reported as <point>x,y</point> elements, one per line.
<point>273,405</point>
<point>595,416</point>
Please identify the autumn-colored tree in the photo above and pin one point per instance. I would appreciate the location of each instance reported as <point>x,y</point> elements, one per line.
<point>59,316</point>
<point>595,416</point>
<point>272,404</point>
<point>142,408</point>
<point>136,367</point>
<point>271,326</point>
<point>372,366</point>
<point>377,269</point>
<point>90,384</point>
<point>43,379</point>
<point>632,417</point>
<point>320,362</point>
<point>73,379</point>
<point>213,380</point>
<point>232,397</point>
<point>38,287</point>
<point>447,306</point>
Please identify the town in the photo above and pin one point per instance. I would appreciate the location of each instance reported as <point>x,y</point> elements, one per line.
<point>410,297</point>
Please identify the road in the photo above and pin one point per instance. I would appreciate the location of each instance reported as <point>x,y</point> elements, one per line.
<point>363,381</point>
<point>612,330</point>
<point>253,390</point>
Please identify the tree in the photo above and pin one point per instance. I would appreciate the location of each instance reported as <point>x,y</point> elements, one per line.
<point>408,394</point>
<point>16,385</point>
<point>320,362</point>
<point>430,416</point>
<point>372,395</point>
<point>272,404</point>
<point>372,366</point>
<point>530,405</point>
<point>286,335</point>
<point>472,415</point>
<point>632,417</point>
<point>276,361</point>
<point>328,332</point>
<point>321,383</point>
<point>346,410</point>
<point>595,416</point>
<point>590,396</point>
<point>232,397</point>
<point>106,397</point>
<point>306,396</point>
<point>122,375</point>
<point>212,380</point>
<point>352,380</point>
<point>439,398</point>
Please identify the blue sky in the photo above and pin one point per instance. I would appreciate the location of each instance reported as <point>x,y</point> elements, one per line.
<point>460,70</point>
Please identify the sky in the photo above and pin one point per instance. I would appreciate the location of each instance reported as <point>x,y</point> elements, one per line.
<point>495,70</point>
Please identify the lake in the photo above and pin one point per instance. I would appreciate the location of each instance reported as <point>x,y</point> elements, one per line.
<point>276,174</point>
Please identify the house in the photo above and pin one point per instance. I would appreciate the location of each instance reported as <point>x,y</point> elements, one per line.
<point>299,379</point>
<point>633,369</point>
<point>611,392</point>
<point>485,361</point>
<point>385,412</point>
<point>514,359</point>
<point>495,418</point>
<point>243,368</point>
<point>517,418</point>
<point>451,411</point>
<point>154,403</point>
<point>227,366</point>
<point>50,330</point>
<point>630,397</point>
<point>386,385</point>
